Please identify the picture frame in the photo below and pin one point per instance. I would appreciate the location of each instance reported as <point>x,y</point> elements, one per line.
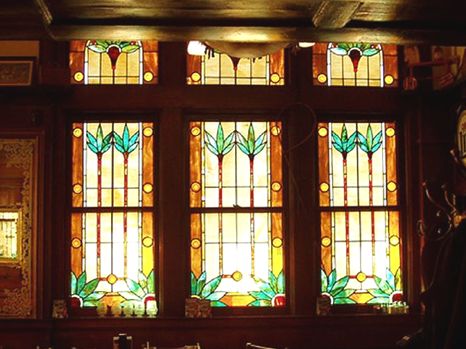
<point>16,71</point>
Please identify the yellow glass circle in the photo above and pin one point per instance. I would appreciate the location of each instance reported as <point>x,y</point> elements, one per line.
<point>391,186</point>
<point>195,131</point>
<point>148,131</point>
<point>78,76</point>
<point>389,79</point>
<point>77,132</point>
<point>322,78</point>
<point>361,277</point>
<point>277,242</point>
<point>76,243</point>
<point>323,131</point>
<point>195,243</point>
<point>147,241</point>
<point>237,276</point>
<point>148,76</point>
<point>111,279</point>
<point>390,132</point>
<point>275,78</point>
<point>276,186</point>
<point>324,187</point>
<point>326,241</point>
<point>394,240</point>
<point>147,188</point>
<point>77,188</point>
<point>195,76</point>
<point>195,187</point>
<point>275,130</point>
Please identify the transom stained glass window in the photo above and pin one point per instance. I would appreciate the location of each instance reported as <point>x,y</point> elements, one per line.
<point>355,64</point>
<point>360,220</point>
<point>220,69</point>
<point>113,62</point>
<point>112,220</point>
<point>236,194</point>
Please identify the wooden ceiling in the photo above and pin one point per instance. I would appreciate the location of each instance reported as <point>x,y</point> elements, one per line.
<point>386,21</point>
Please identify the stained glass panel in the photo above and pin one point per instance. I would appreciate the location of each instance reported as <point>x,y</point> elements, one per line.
<point>220,69</point>
<point>355,64</point>
<point>112,237</point>
<point>113,62</point>
<point>360,238</point>
<point>236,165</point>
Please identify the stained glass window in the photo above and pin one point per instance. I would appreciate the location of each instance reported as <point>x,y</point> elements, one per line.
<point>112,220</point>
<point>355,64</point>
<point>113,62</point>
<point>220,69</point>
<point>9,234</point>
<point>360,220</point>
<point>236,195</point>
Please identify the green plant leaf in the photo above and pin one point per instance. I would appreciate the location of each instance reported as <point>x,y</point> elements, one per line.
<point>273,281</point>
<point>339,285</point>
<point>215,296</point>
<point>391,279</point>
<point>398,280</point>
<point>81,282</point>
<point>323,281</point>
<point>243,149</point>
<point>89,288</point>
<point>251,139</point>
<point>378,300</point>
<point>91,139</point>
<point>99,137</point>
<point>259,149</point>
<point>201,283</point>
<point>211,143</point>
<point>377,138</point>
<point>220,138</point>
<point>243,144</point>
<point>369,137</point>
<point>343,301</point>
<point>211,286</point>
<point>376,147</point>
<point>126,137</point>
<point>74,282</point>
<point>383,285</point>
<point>130,48</point>
<point>106,148</point>
<point>336,141</point>
<point>265,288</point>
<point>377,293</point>
<point>260,140</point>
<point>135,288</point>
<point>129,296</point>
<point>258,295</point>
<point>193,284</point>
<point>151,282</point>
<point>217,304</point>
<point>132,147</point>
<point>344,294</point>
<point>260,303</point>
<point>281,282</point>
<point>331,279</point>
<point>351,142</point>
<point>344,134</point>
<point>134,138</point>
<point>95,296</point>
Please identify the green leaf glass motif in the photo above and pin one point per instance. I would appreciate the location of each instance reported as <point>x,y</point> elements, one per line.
<point>99,144</point>
<point>272,292</point>
<point>207,290</point>
<point>355,51</point>
<point>334,288</point>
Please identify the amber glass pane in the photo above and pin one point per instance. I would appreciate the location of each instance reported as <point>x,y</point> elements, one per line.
<point>219,69</point>
<point>361,257</point>
<point>113,62</point>
<point>355,64</point>
<point>112,251</point>
<point>217,274</point>
<point>235,164</point>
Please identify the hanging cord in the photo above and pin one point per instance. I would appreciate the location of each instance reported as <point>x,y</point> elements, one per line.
<point>306,139</point>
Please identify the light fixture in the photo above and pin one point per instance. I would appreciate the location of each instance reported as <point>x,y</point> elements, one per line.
<point>196,48</point>
<point>306,44</point>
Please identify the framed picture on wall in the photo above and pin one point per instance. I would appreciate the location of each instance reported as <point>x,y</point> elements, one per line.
<point>16,71</point>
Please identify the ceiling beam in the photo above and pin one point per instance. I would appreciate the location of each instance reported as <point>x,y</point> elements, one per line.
<point>258,34</point>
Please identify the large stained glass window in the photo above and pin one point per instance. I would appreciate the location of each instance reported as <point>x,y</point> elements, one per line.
<point>220,69</point>
<point>112,220</point>
<point>355,64</point>
<point>236,195</point>
<point>113,62</point>
<point>360,220</point>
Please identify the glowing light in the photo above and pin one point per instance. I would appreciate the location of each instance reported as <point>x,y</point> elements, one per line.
<point>196,48</point>
<point>306,44</point>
